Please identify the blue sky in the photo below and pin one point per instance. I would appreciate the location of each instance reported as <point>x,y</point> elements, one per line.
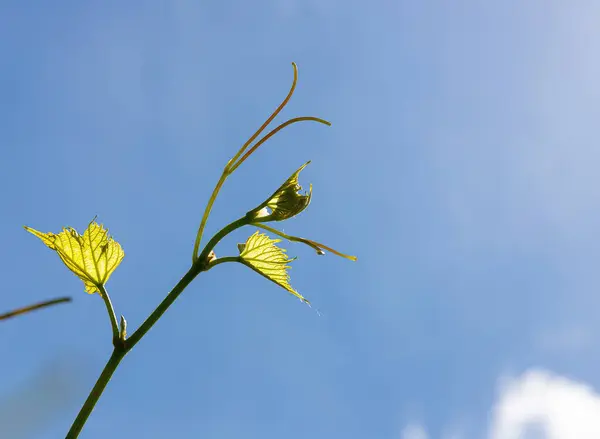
<point>461,168</point>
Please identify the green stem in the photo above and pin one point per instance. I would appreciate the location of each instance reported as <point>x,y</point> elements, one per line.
<point>289,237</point>
<point>194,271</point>
<point>160,309</point>
<point>317,246</point>
<point>223,260</point>
<point>90,402</point>
<point>209,206</point>
<point>220,235</point>
<point>111,313</point>
<point>232,165</point>
<point>123,347</point>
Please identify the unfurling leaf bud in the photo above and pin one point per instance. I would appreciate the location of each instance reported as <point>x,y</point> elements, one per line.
<point>286,202</point>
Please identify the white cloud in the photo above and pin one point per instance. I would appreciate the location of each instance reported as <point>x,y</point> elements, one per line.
<point>542,405</point>
<point>536,405</point>
<point>414,431</point>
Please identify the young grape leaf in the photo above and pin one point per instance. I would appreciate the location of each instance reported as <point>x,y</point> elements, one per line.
<point>286,202</point>
<point>262,255</point>
<point>92,256</point>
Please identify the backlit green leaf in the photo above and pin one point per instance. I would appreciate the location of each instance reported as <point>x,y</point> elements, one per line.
<point>262,255</point>
<point>286,202</point>
<point>92,256</point>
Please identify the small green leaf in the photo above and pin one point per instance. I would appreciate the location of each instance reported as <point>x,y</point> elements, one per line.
<point>286,202</point>
<point>92,257</point>
<point>262,255</point>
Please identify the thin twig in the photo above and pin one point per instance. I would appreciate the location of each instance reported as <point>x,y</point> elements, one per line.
<point>33,307</point>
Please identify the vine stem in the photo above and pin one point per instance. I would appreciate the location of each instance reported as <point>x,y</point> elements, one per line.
<point>111,313</point>
<point>209,206</point>
<point>121,348</point>
<point>200,263</point>
<point>90,402</point>
<point>232,164</point>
